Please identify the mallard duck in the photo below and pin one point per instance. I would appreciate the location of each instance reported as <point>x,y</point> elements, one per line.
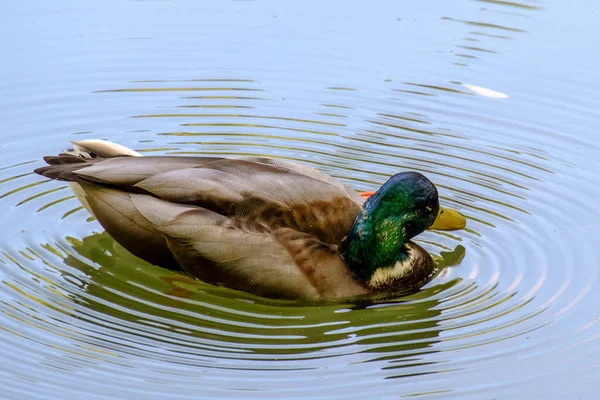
<point>265,226</point>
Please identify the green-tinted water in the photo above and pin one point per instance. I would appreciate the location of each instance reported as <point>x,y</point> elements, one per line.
<point>495,101</point>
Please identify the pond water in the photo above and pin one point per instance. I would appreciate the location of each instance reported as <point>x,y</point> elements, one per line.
<point>494,100</point>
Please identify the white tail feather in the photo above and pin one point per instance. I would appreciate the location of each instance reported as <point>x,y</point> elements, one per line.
<point>92,148</point>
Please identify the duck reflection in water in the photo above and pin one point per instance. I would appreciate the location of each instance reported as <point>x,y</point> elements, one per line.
<point>122,286</point>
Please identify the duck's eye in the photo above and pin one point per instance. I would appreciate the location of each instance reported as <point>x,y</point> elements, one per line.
<point>441,212</point>
<point>93,155</point>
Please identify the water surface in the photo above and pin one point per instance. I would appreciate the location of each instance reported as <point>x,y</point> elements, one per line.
<point>495,101</point>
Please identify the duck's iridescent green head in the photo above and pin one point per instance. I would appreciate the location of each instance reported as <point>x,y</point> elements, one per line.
<point>406,205</point>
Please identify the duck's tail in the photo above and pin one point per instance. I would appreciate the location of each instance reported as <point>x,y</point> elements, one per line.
<point>83,154</point>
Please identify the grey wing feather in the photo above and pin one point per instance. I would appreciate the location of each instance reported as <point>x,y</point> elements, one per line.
<point>312,173</point>
<point>127,171</point>
<point>211,247</point>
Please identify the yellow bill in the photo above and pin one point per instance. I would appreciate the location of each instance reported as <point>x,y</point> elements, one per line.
<point>449,220</point>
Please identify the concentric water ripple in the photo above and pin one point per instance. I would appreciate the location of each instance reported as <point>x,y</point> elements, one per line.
<point>102,306</point>
<point>514,303</point>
